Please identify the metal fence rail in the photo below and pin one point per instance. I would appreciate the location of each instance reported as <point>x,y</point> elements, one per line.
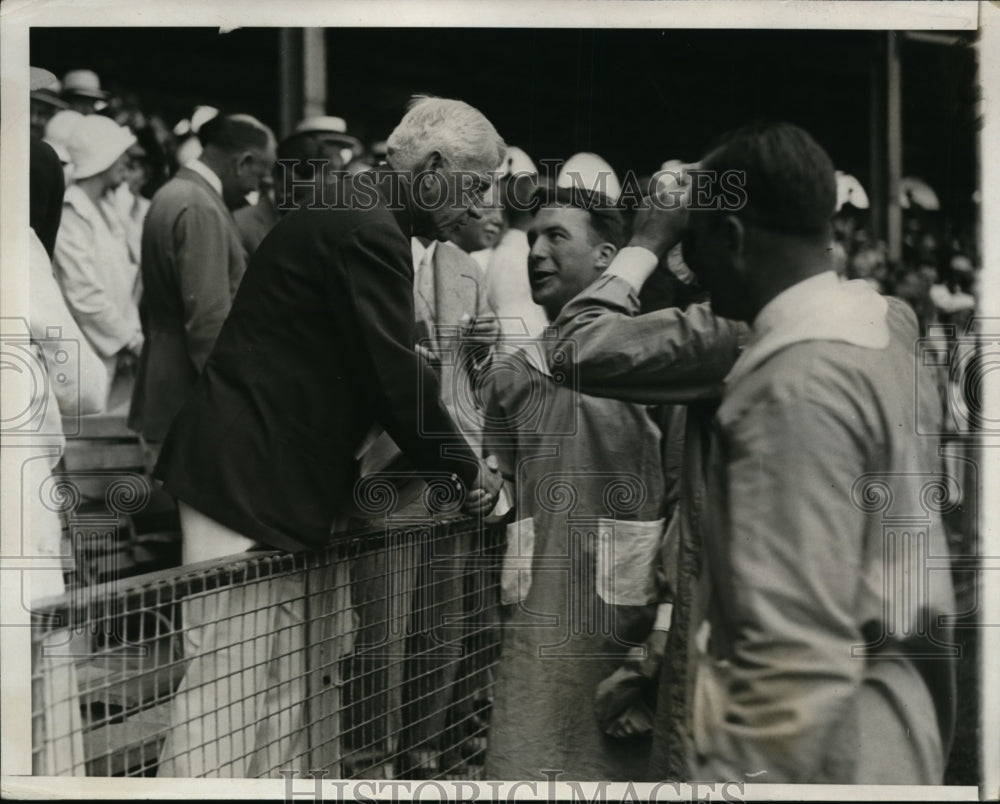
<point>372,658</point>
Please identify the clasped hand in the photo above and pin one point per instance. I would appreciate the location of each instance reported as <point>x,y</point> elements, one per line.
<point>482,495</point>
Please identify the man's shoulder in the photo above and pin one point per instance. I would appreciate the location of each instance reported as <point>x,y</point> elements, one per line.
<point>344,223</point>
<point>851,381</point>
<point>182,192</point>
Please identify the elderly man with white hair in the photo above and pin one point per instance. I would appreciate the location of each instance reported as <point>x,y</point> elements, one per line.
<point>318,349</point>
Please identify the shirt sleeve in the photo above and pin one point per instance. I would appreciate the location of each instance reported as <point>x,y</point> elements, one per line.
<point>201,238</point>
<point>786,569</point>
<point>403,389</point>
<point>108,330</point>
<point>499,429</point>
<point>670,356</point>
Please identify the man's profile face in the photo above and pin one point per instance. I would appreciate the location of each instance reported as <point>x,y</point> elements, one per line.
<point>253,167</point>
<point>563,257</point>
<point>449,196</point>
<point>482,232</point>
<point>708,253</point>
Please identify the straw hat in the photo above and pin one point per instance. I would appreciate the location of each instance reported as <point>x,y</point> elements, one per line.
<point>588,171</point>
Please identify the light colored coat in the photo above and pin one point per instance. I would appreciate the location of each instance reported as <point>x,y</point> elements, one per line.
<point>97,275</point>
<point>785,563</point>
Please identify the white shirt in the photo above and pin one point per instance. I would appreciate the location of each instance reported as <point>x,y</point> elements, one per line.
<point>509,291</point>
<point>206,173</point>
<point>420,253</point>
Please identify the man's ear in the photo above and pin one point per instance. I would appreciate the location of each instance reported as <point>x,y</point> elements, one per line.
<point>243,162</point>
<point>734,235</point>
<point>604,254</point>
<point>431,162</point>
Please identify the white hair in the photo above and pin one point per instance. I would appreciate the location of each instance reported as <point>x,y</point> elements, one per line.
<point>460,133</point>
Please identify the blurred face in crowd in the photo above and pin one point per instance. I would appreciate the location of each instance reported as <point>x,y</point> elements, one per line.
<point>82,104</point>
<point>566,256</point>
<point>448,195</point>
<point>483,232</point>
<point>136,169</point>
<point>248,168</point>
<point>41,113</point>
<point>114,175</point>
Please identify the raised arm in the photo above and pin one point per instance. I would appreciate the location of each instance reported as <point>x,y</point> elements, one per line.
<point>671,356</point>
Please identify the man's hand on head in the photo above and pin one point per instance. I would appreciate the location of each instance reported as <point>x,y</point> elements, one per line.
<point>661,222</point>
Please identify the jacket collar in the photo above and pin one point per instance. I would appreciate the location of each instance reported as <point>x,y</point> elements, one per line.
<point>395,195</point>
<point>186,174</point>
<point>821,308</point>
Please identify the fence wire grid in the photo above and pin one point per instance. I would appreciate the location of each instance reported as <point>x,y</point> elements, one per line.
<point>371,659</point>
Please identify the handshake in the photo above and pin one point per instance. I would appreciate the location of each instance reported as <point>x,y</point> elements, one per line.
<point>483,493</point>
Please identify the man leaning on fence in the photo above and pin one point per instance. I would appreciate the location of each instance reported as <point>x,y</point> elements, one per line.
<point>317,349</point>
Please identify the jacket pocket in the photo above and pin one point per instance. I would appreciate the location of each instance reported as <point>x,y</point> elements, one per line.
<point>626,561</point>
<point>515,576</point>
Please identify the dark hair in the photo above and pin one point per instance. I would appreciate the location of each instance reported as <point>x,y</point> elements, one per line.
<point>46,184</point>
<point>789,182</point>
<point>606,218</point>
<point>234,132</point>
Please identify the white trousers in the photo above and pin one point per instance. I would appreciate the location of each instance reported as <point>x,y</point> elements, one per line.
<point>238,711</point>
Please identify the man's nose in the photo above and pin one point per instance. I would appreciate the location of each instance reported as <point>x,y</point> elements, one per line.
<point>476,211</point>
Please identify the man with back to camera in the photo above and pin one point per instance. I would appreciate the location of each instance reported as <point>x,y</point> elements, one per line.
<point>318,348</point>
<point>800,653</point>
<point>192,264</point>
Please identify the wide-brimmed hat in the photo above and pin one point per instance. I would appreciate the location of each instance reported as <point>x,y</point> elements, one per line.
<point>45,87</point>
<point>590,172</point>
<point>95,144</point>
<point>83,83</point>
<point>59,130</point>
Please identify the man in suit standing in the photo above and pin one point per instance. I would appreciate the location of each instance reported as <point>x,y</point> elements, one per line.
<point>318,348</point>
<point>192,263</point>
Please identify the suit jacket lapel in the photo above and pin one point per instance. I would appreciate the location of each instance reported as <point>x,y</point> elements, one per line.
<point>454,288</point>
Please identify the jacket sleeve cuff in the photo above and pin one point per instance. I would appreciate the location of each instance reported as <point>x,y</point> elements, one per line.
<point>635,265</point>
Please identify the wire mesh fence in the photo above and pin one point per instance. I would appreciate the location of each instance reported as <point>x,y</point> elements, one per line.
<point>372,658</point>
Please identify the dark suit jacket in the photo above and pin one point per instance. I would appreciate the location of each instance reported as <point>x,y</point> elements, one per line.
<point>253,223</point>
<point>318,347</point>
<point>192,263</point>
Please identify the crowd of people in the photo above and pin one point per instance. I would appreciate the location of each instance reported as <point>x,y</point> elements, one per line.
<point>667,405</point>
